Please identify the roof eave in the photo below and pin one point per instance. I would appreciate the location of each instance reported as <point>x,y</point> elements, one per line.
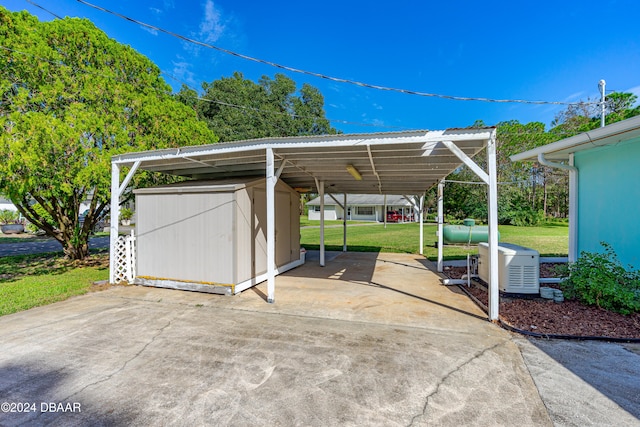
<point>560,150</point>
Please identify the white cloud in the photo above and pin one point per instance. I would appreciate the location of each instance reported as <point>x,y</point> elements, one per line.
<point>211,27</point>
<point>155,10</point>
<point>574,96</point>
<point>149,30</point>
<point>182,71</point>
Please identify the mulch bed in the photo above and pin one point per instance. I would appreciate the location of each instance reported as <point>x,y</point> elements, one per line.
<point>537,315</point>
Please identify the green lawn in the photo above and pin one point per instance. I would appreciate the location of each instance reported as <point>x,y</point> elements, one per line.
<point>550,240</point>
<point>33,280</point>
<point>304,222</point>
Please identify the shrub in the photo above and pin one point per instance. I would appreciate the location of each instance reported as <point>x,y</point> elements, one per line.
<point>7,216</point>
<point>126,213</point>
<point>523,217</point>
<point>599,279</point>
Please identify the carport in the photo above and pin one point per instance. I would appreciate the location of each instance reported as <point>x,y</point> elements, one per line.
<point>407,163</point>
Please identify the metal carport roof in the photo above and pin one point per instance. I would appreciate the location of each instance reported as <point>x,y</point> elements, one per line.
<point>389,163</point>
<point>381,163</point>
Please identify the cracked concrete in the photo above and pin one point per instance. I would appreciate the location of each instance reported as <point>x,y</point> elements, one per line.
<point>371,339</point>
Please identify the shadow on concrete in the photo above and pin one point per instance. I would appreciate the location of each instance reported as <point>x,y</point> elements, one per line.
<point>37,397</point>
<point>351,248</point>
<point>612,369</point>
<point>430,301</point>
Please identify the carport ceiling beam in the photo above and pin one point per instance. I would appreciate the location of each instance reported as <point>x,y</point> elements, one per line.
<point>200,162</point>
<point>337,202</point>
<point>128,178</point>
<point>281,168</point>
<point>467,161</point>
<point>373,168</point>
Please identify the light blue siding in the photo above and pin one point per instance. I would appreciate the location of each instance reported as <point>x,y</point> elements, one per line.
<point>609,200</point>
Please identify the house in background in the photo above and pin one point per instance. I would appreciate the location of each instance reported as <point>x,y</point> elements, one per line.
<point>7,204</point>
<point>604,190</point>
<point>362,207</point>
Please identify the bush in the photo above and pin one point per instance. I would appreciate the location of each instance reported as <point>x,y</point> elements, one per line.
<point>7,216</point>
<point>126,214</point>
<point>599,279</point>
<point>523,217</point>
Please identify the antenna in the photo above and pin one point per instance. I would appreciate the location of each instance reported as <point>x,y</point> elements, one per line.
<point>603,106</point>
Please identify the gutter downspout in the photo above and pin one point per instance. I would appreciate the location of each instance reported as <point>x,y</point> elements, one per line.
<point>573,201</point>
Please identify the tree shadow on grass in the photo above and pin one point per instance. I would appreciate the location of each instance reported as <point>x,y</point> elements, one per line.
<point>14,267</point>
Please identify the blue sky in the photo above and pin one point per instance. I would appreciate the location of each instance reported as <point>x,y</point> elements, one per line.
<point>544,50</point>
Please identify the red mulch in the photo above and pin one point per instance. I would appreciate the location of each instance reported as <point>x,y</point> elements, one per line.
<point>548,317</point>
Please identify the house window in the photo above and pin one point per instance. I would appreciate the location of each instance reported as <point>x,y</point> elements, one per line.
<point>365,210</point>
<point>316,208</point>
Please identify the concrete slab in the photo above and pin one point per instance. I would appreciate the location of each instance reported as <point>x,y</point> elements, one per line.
<point>586,383</point>
<point>371,339</point>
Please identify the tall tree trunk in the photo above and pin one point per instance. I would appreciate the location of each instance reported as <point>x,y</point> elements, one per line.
<point>76,252</point>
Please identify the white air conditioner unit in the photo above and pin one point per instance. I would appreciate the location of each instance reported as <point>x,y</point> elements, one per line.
<point>518,268</point>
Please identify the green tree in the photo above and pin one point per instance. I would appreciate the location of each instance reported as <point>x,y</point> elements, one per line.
<point>237,108</point>
<point>70,99</point>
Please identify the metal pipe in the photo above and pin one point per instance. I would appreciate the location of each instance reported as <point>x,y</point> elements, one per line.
<point>550,280</point>
<point>603,106</point>
<point>573,201</point>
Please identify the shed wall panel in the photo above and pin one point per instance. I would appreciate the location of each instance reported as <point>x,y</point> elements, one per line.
<point>245,244</point>
<point>259,230</point>
<point>283,230</point>
<point>185,236</point>
<point>203,232</point>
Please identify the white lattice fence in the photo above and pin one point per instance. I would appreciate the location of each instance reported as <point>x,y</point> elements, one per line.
<point>125,254</point>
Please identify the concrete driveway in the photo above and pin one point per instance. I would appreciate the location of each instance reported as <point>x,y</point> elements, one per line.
<point>371,339</point>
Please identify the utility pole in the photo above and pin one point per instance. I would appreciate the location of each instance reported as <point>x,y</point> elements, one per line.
<point>603,107</point>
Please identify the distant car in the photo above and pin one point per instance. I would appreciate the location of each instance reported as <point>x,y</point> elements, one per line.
<point>393,216</point>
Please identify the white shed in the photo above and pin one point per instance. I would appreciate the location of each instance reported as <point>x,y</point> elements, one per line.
<point>210,236</point>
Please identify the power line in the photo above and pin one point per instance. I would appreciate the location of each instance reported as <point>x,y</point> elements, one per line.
<point>518,132</point>
<point>213,101</point>
<point>319,75</point>
<point>40,7</point>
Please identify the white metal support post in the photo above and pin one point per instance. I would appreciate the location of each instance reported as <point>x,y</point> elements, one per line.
<point>440,222</point>
<point>321,193</point>
<point>493,228</point>
<point>344,224</point>
<point>115,215</point>
<point>116,191</point>
<point>421,220</point>
<point>271,224</point>
<point>384,213</point>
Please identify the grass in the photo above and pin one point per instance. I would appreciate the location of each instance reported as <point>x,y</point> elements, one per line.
<point>304,222</point>
<point>28,281</point>
<point>5,239</point>
<point>550,240</point>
